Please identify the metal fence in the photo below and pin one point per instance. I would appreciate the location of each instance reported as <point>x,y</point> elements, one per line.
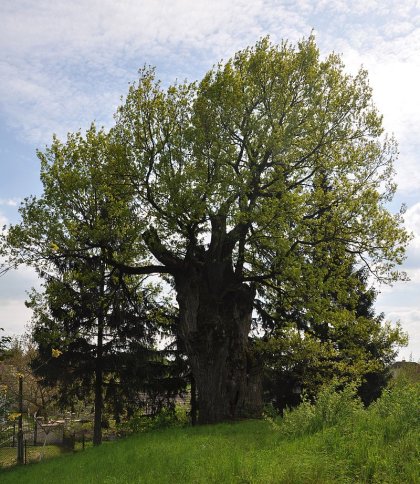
<point>24,438</point>
<point>19,431</point>
<point>39,439</point>
<point>14,440</point>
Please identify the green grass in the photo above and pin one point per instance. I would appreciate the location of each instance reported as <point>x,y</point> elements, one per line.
<point>8,455</point>
<point>334,441</point>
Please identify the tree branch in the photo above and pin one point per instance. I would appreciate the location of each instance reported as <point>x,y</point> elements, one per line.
<point>162,254</point>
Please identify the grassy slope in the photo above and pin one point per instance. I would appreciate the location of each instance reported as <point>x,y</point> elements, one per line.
<point>243,452</point>
<point>378,445</point>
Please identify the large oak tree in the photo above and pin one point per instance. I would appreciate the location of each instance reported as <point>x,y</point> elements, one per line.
<point>236,186</point>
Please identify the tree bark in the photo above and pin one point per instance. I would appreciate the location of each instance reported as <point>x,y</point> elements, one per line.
<point>215,321</point>
<point>97,424</point>
<point>215,312</point>
<point>194,407</point>
<point>99,399</point>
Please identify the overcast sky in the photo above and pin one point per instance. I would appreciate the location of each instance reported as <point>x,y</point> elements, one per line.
<point>66,63</point>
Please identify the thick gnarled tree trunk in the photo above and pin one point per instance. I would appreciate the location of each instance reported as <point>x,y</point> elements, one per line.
<point>215,321</point>
<point>215,316</point>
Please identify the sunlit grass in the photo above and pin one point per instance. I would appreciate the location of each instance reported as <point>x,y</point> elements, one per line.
<point>378,445</point>
<point>8,455</point>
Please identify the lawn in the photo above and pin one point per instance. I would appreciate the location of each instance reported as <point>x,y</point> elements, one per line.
<point>8,455</point>
<point>334,441</point>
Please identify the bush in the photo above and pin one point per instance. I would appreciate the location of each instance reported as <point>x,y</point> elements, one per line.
<point>332,406</point>
<point>397,410</point>
<point>167,417</point>
<point>383,444</point>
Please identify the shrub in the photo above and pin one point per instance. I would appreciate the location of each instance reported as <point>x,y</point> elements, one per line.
<point>397,410</point>
<point>167,417</point>
<point>331,407</point>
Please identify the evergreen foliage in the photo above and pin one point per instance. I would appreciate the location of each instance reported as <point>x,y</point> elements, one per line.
<point>348,343</point>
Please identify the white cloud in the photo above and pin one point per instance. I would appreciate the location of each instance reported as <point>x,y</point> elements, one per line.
<point>412,222</point>
<point>414,275</point>
<point>410,322</point>
<point>14,288</point>
<point>384,37</point>
<point>9,202</point>
<point>66,63</point>
<point>400,303</point>
<point>15,283</point>
<point>412,218</point>
<point>14,316</point>
<point>80,28</point>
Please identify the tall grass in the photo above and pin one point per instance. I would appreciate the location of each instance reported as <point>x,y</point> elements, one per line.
<point>332,408</point>
<point>334,440</point>
<point>378,444</point>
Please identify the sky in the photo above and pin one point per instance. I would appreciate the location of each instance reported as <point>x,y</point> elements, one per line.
<point>64,64</point>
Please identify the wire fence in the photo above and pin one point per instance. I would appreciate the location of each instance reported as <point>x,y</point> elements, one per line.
<point>41,440</point>
<point>24,438</point>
